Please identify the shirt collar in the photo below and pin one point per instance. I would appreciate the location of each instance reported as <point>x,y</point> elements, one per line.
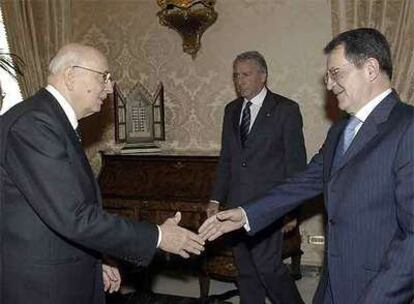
<point>259,98</point>
<point>363,113</point>
<point>67,108</point>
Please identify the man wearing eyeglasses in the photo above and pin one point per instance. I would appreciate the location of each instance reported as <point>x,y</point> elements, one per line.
<point>365,169</point>
<point>53,229</point>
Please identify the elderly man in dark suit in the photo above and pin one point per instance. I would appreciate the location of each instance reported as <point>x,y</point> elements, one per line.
<point>53,229</point>
<point>262,143</point>
<point>365,170</point>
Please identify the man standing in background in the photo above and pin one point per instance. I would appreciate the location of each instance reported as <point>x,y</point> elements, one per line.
<point>262,143</point>
<point>53,229</point>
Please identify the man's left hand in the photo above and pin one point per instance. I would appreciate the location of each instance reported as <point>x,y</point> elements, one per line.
<point>289,225</point>
<point>111,278</point>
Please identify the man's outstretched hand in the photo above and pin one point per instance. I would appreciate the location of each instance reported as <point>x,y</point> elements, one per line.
<point>178,240</point>
<point>221,223</point>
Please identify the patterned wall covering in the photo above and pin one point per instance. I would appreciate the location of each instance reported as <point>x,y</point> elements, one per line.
<point>290,34</point>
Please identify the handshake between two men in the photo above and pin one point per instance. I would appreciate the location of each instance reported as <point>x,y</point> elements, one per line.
<point>183,242</point>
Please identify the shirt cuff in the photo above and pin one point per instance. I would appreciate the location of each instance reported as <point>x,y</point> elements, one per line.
<point>246,226</point>
<point>159,236</point>
<point>214,201</point>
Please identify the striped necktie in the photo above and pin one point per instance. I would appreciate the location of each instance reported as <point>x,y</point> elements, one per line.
<point>245,123</point>
<point>78,134</point>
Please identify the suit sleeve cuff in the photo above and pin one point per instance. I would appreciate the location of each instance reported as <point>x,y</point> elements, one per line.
<point>159,236</point>
<point>246,226</point>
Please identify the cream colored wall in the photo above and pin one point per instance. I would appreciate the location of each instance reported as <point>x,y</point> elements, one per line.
<point>289,33</point>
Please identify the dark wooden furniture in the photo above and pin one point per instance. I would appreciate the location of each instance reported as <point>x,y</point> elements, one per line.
<point>153,187</point>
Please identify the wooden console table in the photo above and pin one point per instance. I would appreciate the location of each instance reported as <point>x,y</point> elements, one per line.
<point>153,187</point>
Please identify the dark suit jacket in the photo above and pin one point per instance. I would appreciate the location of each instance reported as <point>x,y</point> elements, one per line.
<point>369,200</point>
<point>53,227</point>
<point>273,150</point>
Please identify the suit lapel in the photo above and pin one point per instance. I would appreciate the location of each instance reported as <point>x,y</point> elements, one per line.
<point>70,132</point>
<point>370,128</point>
<point>332,143</point>
<point>264,113</point>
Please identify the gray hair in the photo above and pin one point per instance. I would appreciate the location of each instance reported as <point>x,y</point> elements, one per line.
<point>69,55</point>
<point>254,56</point>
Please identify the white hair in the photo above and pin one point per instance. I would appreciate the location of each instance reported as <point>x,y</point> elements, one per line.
<point>69,55</point>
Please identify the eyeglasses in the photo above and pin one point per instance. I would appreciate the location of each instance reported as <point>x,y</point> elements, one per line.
<point>335,73</point>
<point>105,75</point>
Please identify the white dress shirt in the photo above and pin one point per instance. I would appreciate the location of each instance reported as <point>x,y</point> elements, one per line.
<point>67,108</point>
<point>257,103</point>
<point>364,112</point>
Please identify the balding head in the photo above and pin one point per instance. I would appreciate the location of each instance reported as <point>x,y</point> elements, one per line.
<point>80,74</point>
<point>70,55</point>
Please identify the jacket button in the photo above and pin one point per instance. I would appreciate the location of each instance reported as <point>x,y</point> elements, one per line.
<point>332,222</point>
<point>244,164</point>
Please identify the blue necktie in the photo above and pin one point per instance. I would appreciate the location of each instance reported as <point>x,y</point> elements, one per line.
<point>345,141</point>
<point>245,123</point>
<point>349,133</point>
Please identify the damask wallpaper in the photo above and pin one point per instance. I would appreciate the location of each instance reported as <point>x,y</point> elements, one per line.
<point>289,33</point>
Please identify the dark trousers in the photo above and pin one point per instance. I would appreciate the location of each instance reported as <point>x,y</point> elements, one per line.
<point>261,269</point>
<point>323,294</point>
<point>328,299</point>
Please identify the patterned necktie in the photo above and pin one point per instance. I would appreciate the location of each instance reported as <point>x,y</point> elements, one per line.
<point>349,133</point>
<point>245,123</point>
<point>78,134</point>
